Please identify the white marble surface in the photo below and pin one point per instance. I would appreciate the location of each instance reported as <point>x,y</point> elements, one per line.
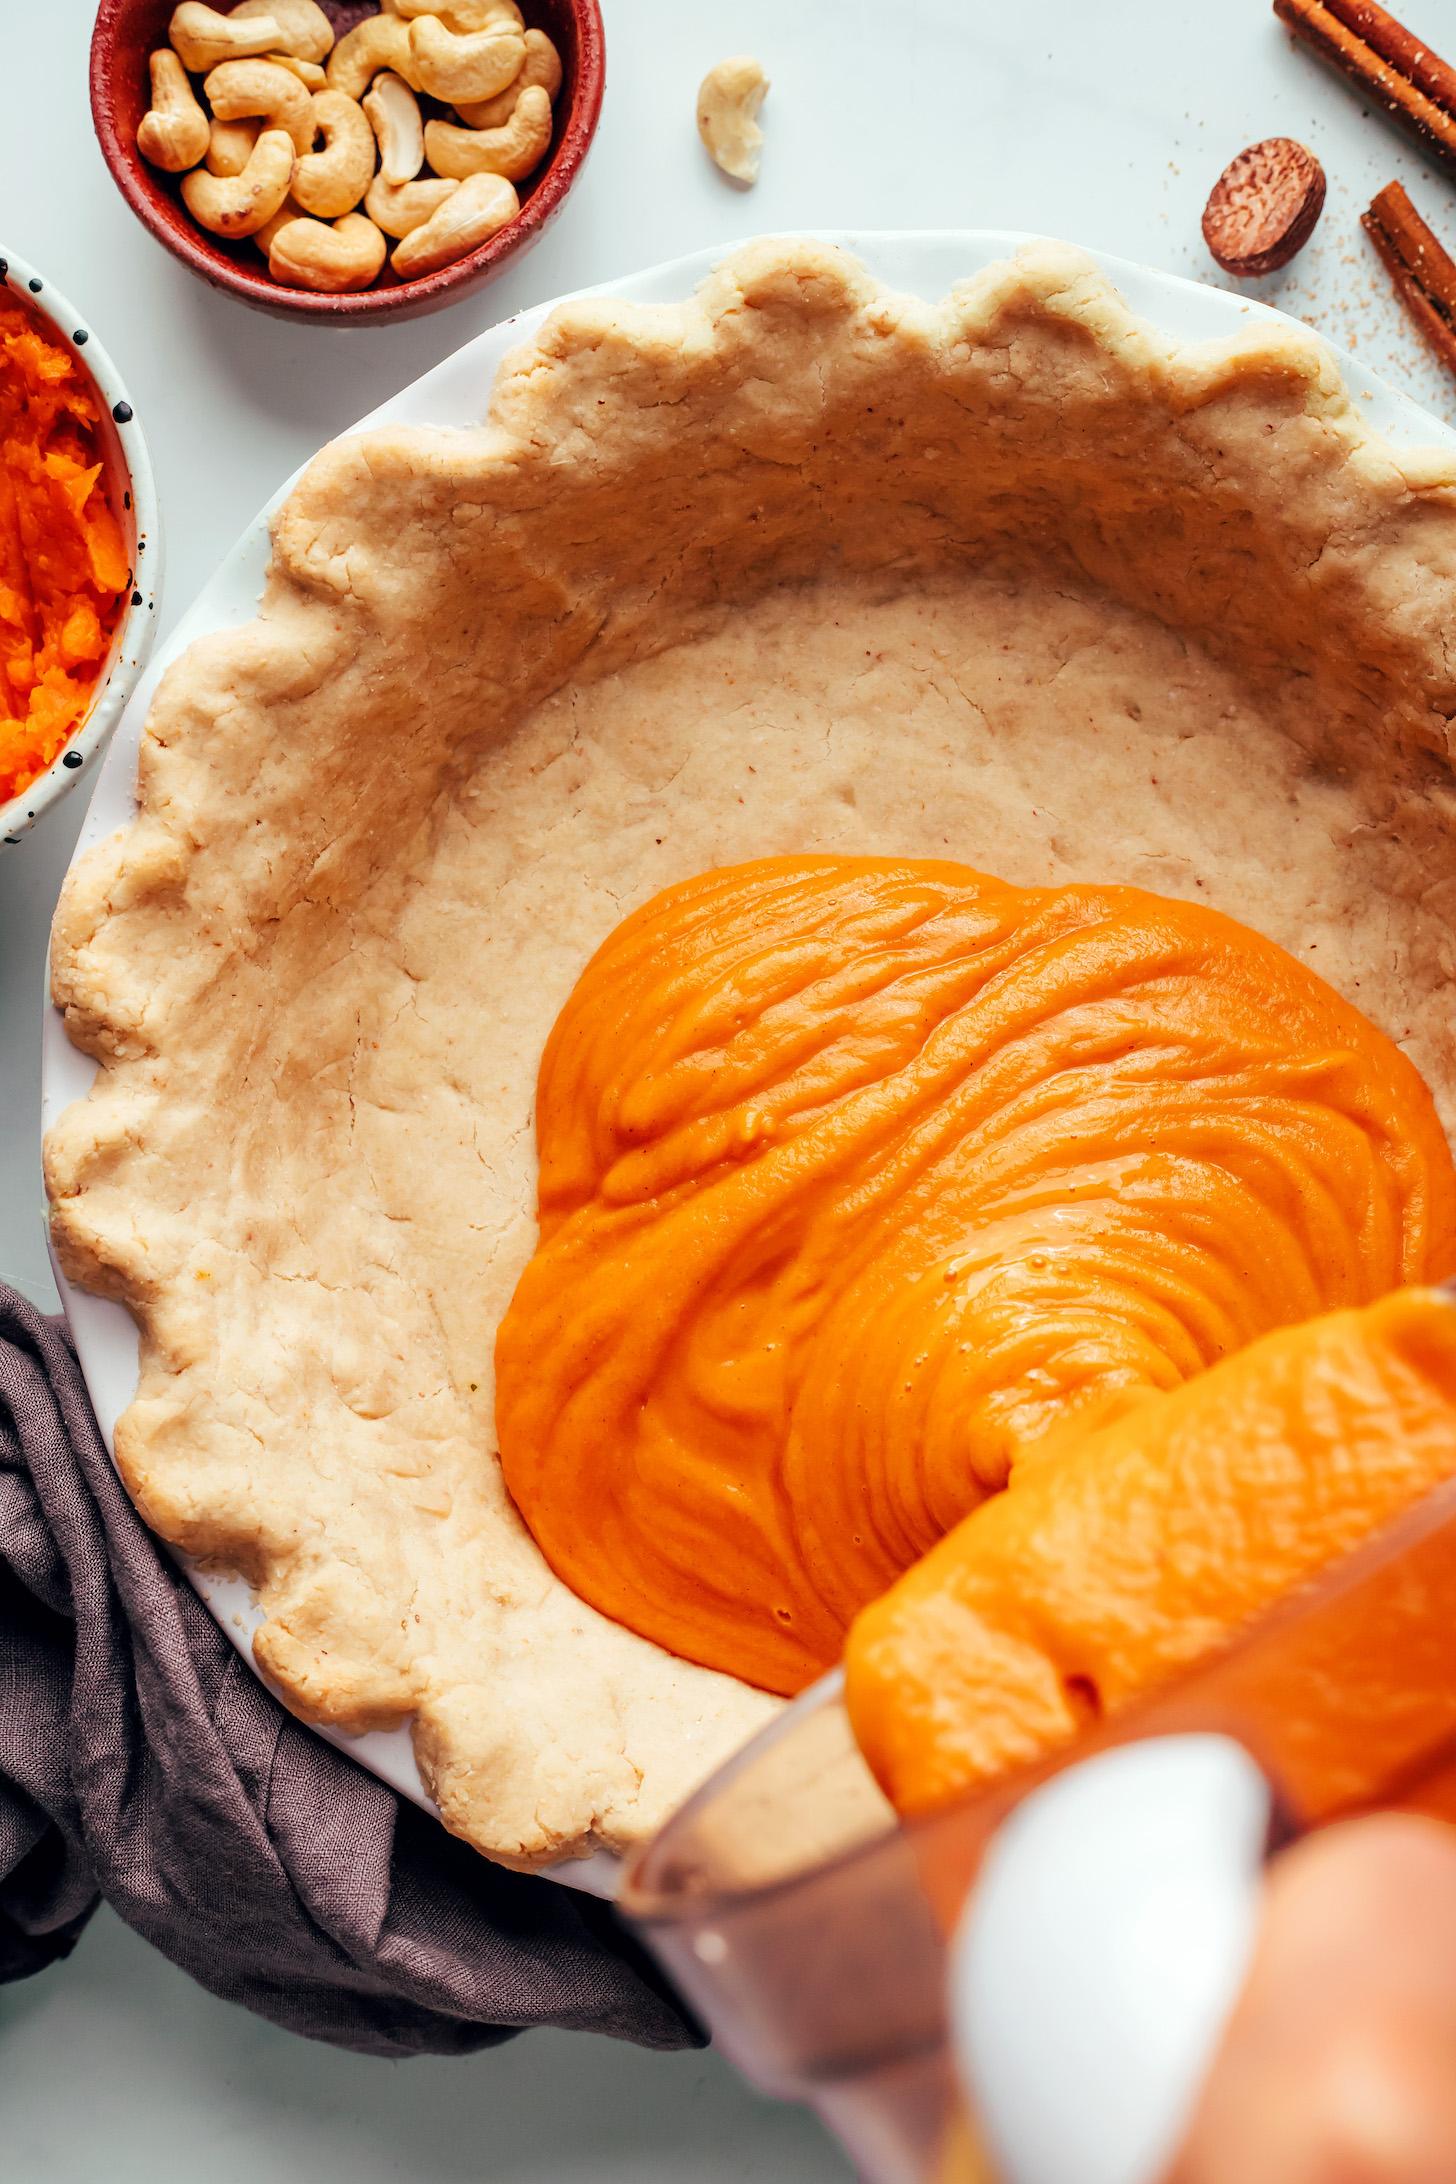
<point>115,2069</point>
<point>1104,124</point>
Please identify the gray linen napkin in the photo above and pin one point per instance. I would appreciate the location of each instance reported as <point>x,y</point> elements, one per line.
<point>141,1760</point>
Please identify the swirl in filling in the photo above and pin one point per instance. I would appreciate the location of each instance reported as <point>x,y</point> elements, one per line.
<point>860,1177</point>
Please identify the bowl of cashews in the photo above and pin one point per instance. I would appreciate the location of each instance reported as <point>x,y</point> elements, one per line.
<point>346,160</point>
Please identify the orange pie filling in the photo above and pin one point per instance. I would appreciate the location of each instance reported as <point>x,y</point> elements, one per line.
<point>63,564</point>
<point>887,1208</point>
<point>1138,1550</point>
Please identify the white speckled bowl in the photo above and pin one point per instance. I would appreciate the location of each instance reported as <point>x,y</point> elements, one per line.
<point>129,472</point>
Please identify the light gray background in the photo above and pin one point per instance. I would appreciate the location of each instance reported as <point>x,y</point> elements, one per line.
<point>1104,123</point>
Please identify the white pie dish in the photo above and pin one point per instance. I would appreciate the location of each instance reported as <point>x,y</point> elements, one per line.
<point>453,394</point>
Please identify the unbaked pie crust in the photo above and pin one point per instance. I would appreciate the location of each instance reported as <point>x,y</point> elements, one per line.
<point>800,564</point>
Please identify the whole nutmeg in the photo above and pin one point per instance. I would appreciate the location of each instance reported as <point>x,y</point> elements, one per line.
<point>1262,209</point>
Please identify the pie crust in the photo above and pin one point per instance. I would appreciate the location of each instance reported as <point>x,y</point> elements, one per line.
<point>798,565</point>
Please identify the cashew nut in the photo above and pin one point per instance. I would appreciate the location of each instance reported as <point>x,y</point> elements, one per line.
<point>173,135</point>
<point>512,151</point>
<point>379,42</point>
<point>332,181</point>
<point>331,260</point>
<point>465,65</point>
<point>231,146</point>
<point>472,213</point>
<point>542,65</point>
<point>463,16</point>
<point>306,31</point>
<point>237,205</point>
<point>241,88</point>
<point>401,207</point>
<point>309,74</point>
<point>286,211</point>
<point>201,37</point>
<point>394,116</point>
<point>729,98</point>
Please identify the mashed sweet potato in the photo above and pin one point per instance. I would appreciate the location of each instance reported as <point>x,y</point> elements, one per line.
<point>861,1177</point>
<point>63,563</point>
<point>1116,1561</point>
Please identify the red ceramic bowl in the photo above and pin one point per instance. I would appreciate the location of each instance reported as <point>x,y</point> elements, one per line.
<point>128,31</point>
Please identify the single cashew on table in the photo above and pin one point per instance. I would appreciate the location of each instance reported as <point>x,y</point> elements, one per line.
<point>729,98</point>
<point>316,148</point>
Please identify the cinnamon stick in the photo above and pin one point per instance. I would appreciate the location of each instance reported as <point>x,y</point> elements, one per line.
<point>1391,66</point>
<point>1399,48</point>
<point>1423,271</point>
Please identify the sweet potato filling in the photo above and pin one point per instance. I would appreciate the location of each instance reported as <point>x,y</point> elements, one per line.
<point>1114,1561</point>
<point>63,564</point>
<point>864,1184</point>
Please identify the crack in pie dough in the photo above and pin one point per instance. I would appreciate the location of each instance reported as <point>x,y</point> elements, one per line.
<point>800,565</point>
